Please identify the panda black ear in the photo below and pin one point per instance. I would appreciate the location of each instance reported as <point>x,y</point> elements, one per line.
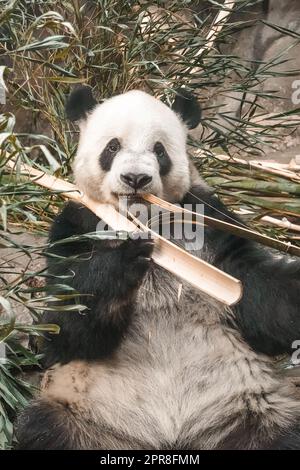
<point>188,108</point>
<point>79,103</point>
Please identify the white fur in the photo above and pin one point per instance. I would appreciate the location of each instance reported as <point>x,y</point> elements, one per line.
<point>138,120</point>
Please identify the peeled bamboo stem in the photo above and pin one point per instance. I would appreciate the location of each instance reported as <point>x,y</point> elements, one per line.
<point>195,271</point>
<point>228,227</point>
<point>282,223</point>
<point>217,25</point>
<point>274,169</point>
<point>215,29</point>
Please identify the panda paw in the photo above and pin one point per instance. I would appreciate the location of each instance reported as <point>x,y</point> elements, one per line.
<point>137,257</point>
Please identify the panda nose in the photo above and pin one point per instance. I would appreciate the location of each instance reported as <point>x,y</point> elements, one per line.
<point>136,181</point>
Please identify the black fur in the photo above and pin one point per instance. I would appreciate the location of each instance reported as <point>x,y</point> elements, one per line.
<point>47,425</point>
<point>289,440</point>
<point>105,273</point>
<point>52,425</point>
<point>188,108</point>
<point>109,153</point>
<point>80,103</point>
<point>55,425</point>
<point>269,312</point>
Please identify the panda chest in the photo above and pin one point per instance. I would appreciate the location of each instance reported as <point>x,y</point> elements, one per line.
<point>164,365</point>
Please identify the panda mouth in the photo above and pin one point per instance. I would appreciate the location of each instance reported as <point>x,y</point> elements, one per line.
<point>131,196</point>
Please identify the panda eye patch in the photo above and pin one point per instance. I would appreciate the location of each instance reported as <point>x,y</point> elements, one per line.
<point>108,154</point>
<point>163,158</point>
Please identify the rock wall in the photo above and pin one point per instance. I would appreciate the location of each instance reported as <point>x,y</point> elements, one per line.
<point>262,42</point>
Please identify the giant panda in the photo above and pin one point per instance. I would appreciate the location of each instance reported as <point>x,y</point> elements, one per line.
<point>144,367</point>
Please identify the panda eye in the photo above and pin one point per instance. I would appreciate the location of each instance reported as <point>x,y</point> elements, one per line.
<point>113,146</point>
<point>163,158</point>
<point>160,151</point>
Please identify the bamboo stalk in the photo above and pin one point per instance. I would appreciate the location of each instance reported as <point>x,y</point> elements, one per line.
<point>217,26</point>
<point>272,119</point>
<point>215,29</point>
<point>258,186</point>
<point>228,227</point>
<point>195,271</point>
<point>259,166</point>
<point>292,165</point>
<point>271,164</point>
<point>282,223</point>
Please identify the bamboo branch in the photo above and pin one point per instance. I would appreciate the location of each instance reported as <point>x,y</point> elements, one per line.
<point>195,271</point>
<point>291,166</point>
<point>282,223</point>
<point>273,169</point>
<point>228,227</point>
<point>217,26</point>
<point>215,29</point>
<point>272,119</point>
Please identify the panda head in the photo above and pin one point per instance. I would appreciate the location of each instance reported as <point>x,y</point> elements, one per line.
<point>132,144</point>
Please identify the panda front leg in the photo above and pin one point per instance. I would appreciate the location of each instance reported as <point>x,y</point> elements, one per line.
<point>106,274</point>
